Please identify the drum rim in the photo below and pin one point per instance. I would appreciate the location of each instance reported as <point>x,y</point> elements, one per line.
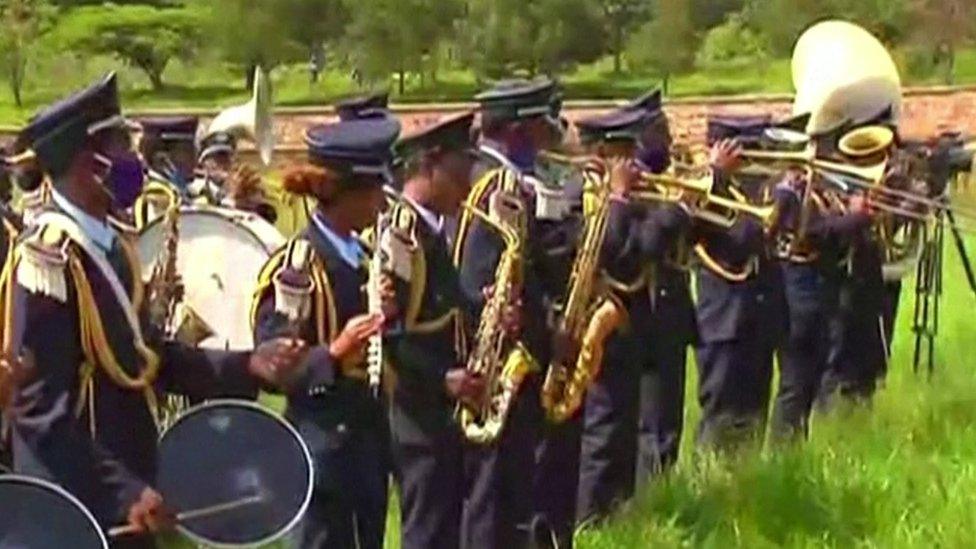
<point>254,406</point>
<point>227,214</point>
<point>57,489</point>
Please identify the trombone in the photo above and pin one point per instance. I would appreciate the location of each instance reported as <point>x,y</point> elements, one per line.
<point>706,205</point>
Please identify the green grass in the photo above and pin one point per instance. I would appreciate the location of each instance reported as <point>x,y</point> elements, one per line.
<point>901,473</point>
<point>207,84</point>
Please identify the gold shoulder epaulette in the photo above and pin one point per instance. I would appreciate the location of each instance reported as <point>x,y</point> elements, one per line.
<point>43,261</point>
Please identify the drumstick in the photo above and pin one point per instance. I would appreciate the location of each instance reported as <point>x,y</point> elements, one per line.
<point>194,514</point>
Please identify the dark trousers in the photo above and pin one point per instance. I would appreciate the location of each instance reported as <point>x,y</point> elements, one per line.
<point>350,511</point>
<point>430,478</point>
<point>733,390</point>
<point>557,478</point>
<point>662,408</point>
<point>855,358</point>
<point>498,505</point>
<point>609,441</point>
<point>803,354</point>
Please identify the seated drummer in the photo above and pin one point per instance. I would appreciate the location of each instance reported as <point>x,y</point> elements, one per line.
<point>89,369</point>
<point>313,288</point>
<point>168,150</point>
<point>430,376</point>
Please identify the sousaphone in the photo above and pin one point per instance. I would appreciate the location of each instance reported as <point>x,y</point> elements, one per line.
<point>251,121</point>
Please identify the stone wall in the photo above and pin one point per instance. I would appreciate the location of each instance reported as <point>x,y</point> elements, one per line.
<point>926,112</point>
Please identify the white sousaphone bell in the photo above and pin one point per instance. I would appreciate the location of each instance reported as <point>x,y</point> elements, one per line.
<point>251,121</point>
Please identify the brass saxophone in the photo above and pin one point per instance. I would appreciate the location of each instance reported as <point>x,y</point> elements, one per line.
<point>167,311</point>
<point>589,315</point>
<point>502,363</point>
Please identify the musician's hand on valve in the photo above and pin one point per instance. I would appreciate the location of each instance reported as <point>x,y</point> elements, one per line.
<point>388,297</point>
<point>623,176</point>
<point>349,347</point>
<point>725,156</point>
<point>860,204</point>
<point>149,515</point>
<point>278,362</point>
<point>465,386</point>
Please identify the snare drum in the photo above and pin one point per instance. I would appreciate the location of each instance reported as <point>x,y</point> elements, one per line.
<point>37,514</point>
<point>219,256</point>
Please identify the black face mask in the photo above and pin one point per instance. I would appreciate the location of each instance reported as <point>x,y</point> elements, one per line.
<point>654,157</point>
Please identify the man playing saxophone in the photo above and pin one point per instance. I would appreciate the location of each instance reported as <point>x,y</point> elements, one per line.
<point>420,345</point>
<point>517,119</point>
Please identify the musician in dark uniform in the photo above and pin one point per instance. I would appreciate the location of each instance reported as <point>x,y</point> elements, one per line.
<point>634,411</point>
<point>517,119</point>
<point>672,326</point>
<point>739,308</point>
<point>314,288</point>
<point>421,347</point>
<point>168,150</point>
<point>83,416</point>
<point>805,236</point>
<point>857,353</point>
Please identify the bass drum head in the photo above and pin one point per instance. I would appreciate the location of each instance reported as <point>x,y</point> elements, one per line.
<point>237,456</point>
<point>36,514</point>
<point>219,256</point>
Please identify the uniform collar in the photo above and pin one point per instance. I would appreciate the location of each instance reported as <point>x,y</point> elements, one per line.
<point>348,247</point>
<point>492,150</point>
<point>98,230</point>
<point>433,220</point>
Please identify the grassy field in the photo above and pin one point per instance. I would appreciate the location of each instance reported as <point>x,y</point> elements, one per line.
<point>208,84</point>
<point>899,474</point>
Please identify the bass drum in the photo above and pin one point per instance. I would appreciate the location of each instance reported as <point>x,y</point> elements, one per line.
<point>36,514</point>
<point>219,256</point>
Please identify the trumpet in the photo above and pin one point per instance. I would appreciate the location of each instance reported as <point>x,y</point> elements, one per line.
<point>707,206</point>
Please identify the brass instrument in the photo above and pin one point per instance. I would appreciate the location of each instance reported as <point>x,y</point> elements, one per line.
<point>167,310</point>
<point>502,363</point>
<point>374,305</point>
<point>589,316</point>
<point>252,120</point>
<point>706,206</point>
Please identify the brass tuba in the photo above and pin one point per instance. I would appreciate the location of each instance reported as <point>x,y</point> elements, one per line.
<point>502,363</point>
<point>589,315</point>
<point>252,120</point>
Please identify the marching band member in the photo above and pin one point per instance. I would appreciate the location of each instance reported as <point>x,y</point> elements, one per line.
<point>517,119</point>
<point>430,375</point>
<point>857,352</point>
<point>672,326</point>
<point>168,151</point>
<point>83,415</point>
<point>633,412</point>
<point>739,305</point>
<point>804,231</point>
<point>313,288</point>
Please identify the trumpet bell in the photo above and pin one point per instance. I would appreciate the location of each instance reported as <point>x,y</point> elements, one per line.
<point>867,141</point>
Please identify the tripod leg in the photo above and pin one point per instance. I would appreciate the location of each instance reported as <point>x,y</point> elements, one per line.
<point>963,254</point>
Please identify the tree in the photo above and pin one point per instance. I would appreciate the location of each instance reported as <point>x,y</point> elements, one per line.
<point>731,44</point>
<point>142,36</point>
<point>504,37</point>
<point>248,36</point>
<point>666,44</point>
<point>24,21</point>
<point>943,26</point>
<point>398,36</point>
<point>623,17</point>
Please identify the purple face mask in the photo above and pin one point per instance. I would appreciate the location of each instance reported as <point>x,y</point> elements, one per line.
<point>125,179</point>
<point>654,157</point>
